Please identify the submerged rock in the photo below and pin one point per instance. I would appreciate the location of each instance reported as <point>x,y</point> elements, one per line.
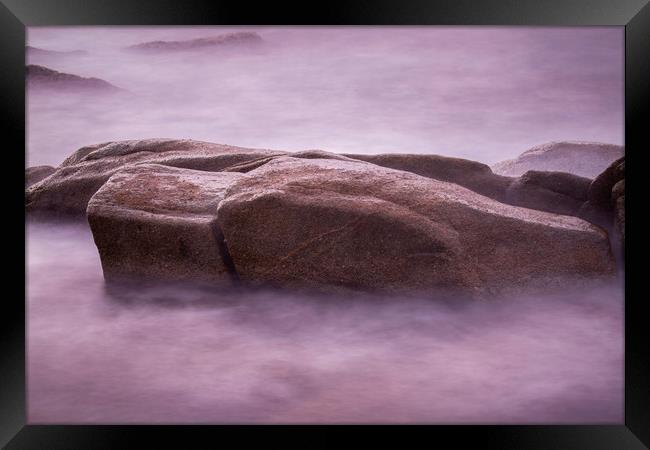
<point>156,222</point>
<point>338,225</point>
<point>42,77</point>
<point>37,173</point>
<point>585,159</point>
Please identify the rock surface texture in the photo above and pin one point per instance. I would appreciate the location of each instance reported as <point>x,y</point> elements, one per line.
<point>585,159</point>
<point>156,222</point>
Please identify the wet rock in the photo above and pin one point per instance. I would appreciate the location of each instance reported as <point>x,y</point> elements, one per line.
<point>156,222</point>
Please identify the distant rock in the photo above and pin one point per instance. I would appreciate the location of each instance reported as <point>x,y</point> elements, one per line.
<point>585,159</point>
<point>37,173</point>
<point>156,222</point>
<point>39,52</point>
<point>42,77</point>
<point>67,191</point>
<point>220,41</point>
<point>557,192</point>
<point>333,225</point>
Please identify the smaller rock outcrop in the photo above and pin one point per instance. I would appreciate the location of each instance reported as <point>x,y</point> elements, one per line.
<point>605,205</point>
<point>157,222</point>
<point>37,173</point>
<point>585,159</point>
<point>600,204</point>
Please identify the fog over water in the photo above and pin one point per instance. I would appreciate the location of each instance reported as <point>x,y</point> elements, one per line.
<point>174,355</point>
<point>185,355</point>
<point>483,93</point>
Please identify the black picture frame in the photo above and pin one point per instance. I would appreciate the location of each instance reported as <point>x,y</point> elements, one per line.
<point>15,15</point>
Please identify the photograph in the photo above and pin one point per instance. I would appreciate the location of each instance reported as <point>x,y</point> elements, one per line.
<point>280,224</point>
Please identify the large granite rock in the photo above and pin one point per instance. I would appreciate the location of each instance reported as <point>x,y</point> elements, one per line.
<point>156,222</point>
<point>557,192</point>
<point>67,191</point>
<point>37,173</point>
<point>338,225</point>
<point>470,174</point>
<point>586,159</point>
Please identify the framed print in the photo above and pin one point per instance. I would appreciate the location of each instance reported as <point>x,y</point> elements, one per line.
<point>405,219</point>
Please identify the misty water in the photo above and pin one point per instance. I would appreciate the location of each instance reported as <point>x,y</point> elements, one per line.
<point>174,355</point>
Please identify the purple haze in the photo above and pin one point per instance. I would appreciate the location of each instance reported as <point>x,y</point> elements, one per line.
<point>483,93</point>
